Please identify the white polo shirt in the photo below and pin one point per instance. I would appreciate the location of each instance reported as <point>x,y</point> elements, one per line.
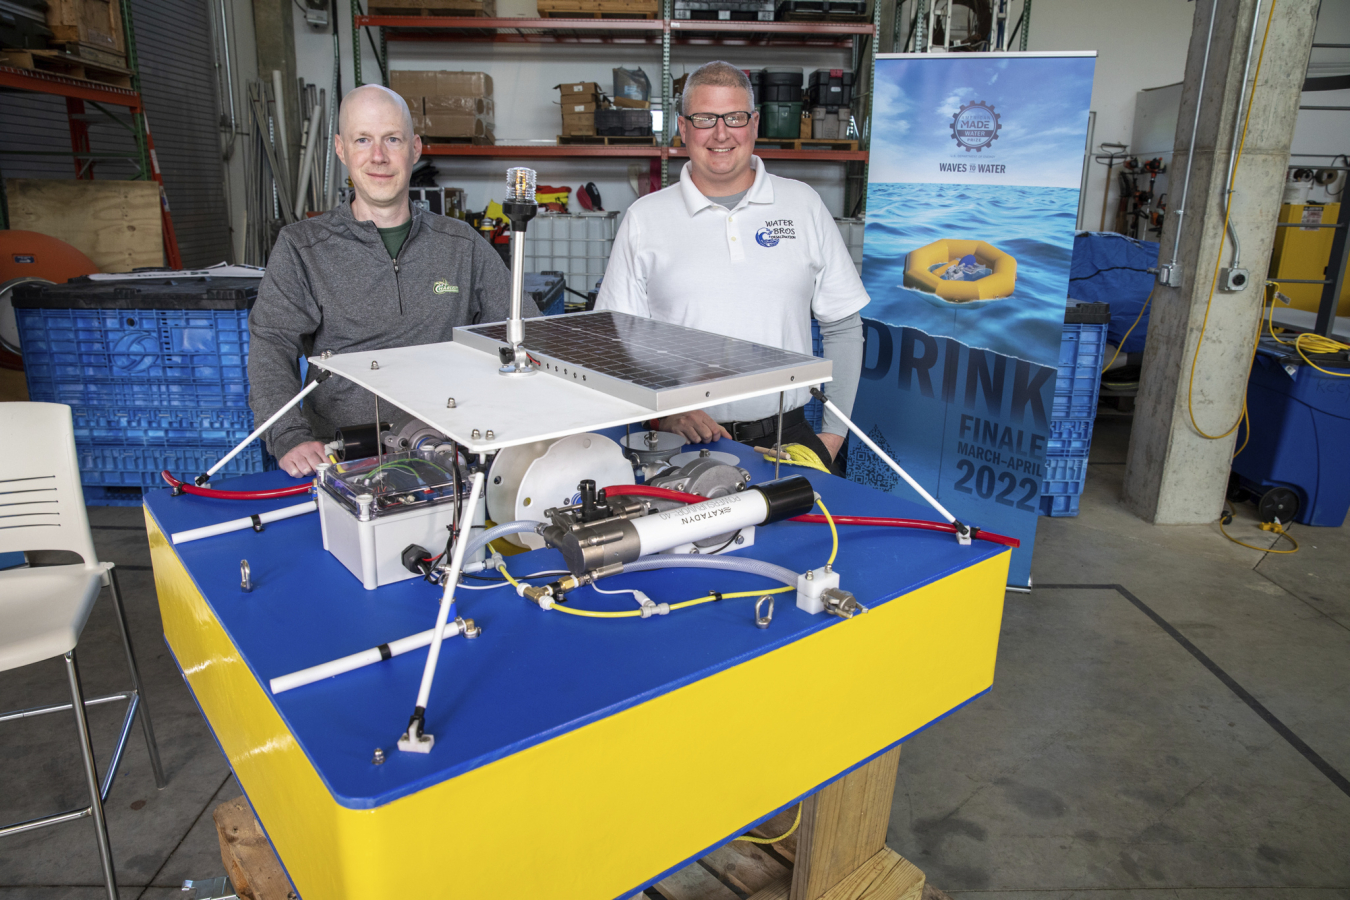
<point>757,272</point>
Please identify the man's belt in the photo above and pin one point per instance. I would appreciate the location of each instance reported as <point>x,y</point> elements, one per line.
<point>749,432</point>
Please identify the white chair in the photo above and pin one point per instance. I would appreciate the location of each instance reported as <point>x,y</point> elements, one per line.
<point>43,609</point>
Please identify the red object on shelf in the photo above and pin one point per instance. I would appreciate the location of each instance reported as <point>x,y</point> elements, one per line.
<point>186,488</point>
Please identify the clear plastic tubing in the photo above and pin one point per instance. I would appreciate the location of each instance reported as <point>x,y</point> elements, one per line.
<point>726,563</point>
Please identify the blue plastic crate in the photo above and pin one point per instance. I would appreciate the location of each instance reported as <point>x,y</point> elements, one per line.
<point>120,465</point>
<point>155,346</point>
<point>161,427</point>
<point>129,393</point>
<point>115,496</point>
<point>1063,484</point>
<point>814,409</point>
<point>1079,375</point>
<point>1069,438</point>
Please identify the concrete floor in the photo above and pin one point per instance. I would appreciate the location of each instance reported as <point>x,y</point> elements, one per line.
<point>1170,718</point>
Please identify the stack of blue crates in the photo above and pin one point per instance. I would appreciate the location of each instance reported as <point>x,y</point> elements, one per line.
<point>1078,380</point>
<point>155,372</point>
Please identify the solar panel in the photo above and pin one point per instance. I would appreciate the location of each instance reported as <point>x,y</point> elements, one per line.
<point>654,364</point>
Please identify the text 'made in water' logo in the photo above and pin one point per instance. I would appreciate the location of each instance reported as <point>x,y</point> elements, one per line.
<point>975,126</point>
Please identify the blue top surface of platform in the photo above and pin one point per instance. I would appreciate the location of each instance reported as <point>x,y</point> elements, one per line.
<point>532,675</point>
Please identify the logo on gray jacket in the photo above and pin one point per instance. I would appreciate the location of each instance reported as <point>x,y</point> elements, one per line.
<point>445,287</point>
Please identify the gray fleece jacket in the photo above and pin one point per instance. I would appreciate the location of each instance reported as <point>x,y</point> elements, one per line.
<point>330,285</point>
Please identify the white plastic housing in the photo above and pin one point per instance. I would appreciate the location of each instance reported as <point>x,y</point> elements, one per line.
<point>660,532</point>
<point>810,588</point>
<point>373,550</point>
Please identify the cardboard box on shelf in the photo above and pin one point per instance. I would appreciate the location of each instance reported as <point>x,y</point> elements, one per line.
<point>587,88</point>
<point>576,124</point>
<point>448,104</point>
<point>572,107</point>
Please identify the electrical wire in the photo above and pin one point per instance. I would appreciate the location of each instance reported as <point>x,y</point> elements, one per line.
<point>1137,320</point>
<point>782,837</point>
<point>919,524</point>
<point>799,455</point>
<point>1275,527</point>
<point>834,532</point>
<point>1218,258</point>
<point>1316,343</point>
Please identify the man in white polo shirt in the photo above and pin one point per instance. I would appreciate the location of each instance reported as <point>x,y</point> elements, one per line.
<point>734,250</point>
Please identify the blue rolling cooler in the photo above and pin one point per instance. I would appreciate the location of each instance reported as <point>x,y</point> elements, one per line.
<point>155,372</point>
<point>1300,432</point>
<point>1077,381</point>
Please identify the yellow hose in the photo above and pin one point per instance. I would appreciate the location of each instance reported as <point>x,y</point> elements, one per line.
<point>834,532</point>
<point>1265,526</point>
<point>782,837</point>
<point>1218,260</point>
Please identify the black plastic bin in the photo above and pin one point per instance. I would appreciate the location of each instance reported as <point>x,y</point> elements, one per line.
<point>830,88</point>
<point>623,122</point>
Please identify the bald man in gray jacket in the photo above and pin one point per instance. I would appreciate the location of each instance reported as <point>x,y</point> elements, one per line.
<point>370,274</point>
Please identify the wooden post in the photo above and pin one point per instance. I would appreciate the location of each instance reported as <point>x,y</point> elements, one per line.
<point>252,864</point>
<point>841,848</point>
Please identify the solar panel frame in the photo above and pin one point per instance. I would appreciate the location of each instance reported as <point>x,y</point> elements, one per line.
<point>654,364</point>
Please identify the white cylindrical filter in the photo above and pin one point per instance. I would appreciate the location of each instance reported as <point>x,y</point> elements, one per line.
<point>528,479</point>
<point>688,524</point>
<point>276,515</point>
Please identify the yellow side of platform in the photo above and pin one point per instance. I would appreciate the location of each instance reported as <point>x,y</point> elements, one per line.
<point>603,808</point>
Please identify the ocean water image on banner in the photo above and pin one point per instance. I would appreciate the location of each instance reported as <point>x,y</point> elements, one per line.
<point>1032,225</point>
<point>971,207</point>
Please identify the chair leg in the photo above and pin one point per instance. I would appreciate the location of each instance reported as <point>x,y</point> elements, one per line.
<point>91,775</point>
<point>160,781</point>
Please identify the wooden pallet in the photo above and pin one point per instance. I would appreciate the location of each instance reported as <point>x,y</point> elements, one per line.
<point>58,63</point>
<point>454,8</point>
<point>91,54</point>
<point>599,9</point>
<point>606,140</point>
<point>251,863</point>
<point>468,141</point>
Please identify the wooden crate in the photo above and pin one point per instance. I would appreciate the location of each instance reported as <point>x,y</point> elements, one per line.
<point>455,8</point>
<point>94,22</point>
<point>117,224</point>
<point>59,63</point>
<point>599,9</point>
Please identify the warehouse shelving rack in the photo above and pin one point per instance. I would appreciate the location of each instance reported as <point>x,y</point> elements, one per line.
<point>77,92</point>
<point>858,37</point>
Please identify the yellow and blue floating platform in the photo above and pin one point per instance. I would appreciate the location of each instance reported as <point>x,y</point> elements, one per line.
<point>574,757</point>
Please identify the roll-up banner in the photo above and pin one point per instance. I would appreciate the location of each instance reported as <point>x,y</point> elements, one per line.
<point>972,199</point>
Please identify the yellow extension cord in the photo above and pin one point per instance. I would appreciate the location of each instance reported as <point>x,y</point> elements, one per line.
<point>1218,259</point>
<point>799,455</point>
<point>782,837</point>
<point>1312,343</point>
<point>1265,526</point>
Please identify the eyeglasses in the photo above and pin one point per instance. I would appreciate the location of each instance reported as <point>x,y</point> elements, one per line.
<point>709,120</point>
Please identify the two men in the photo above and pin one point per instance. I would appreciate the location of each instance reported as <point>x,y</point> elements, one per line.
<point>734,250</point>
<point>370,274</point>
<point>730,250</point>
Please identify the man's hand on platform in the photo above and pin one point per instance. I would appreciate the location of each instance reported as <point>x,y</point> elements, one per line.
<point>696,427</point>
<point>302,459</point>
<point>832,443</point>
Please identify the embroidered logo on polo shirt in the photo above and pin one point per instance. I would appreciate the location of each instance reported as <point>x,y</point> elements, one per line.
<point>775,231</point>
<point>445,287</point>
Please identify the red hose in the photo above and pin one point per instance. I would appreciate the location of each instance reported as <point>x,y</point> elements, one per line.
<point>232,495</point>
<point>643,490</point>
<point>921,524</point>
<point>646,490</point>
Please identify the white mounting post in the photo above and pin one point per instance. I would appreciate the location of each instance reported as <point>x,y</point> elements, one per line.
<point>415,740</point>
<point>962,531</point>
